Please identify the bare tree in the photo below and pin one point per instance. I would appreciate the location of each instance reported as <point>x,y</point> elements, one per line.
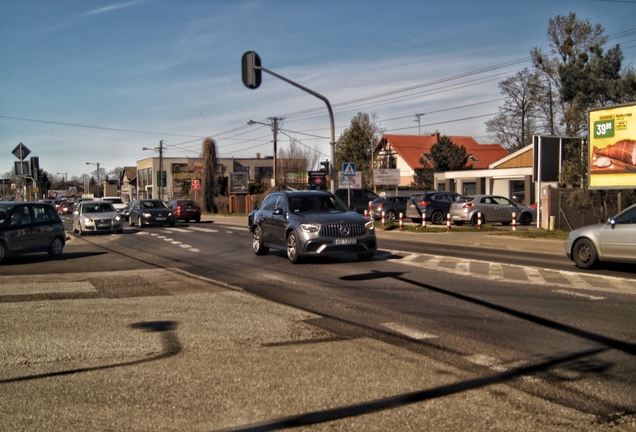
<point>516,122</point>
<point>298,158</point>
<point>209,175</point>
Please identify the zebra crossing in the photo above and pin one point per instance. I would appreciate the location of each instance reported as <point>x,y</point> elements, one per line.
<point>520,274</point>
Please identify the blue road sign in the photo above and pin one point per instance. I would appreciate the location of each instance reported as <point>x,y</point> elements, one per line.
<point>349,169</point>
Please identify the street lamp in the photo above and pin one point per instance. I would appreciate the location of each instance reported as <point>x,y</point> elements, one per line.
<point>274,125</point>
<point>160,180</point>
<point>97,165</point>
<point>418,122</point>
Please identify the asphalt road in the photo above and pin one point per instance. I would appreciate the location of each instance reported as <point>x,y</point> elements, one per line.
<point>185,328</point>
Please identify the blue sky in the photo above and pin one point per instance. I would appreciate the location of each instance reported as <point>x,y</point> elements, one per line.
<point>96,81</point>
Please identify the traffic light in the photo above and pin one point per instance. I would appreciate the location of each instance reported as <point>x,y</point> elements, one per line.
<point>251,76</point>
<point>35,167</point>
<point>324,166</point>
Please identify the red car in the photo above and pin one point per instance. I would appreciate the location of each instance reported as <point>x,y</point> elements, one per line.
<point>65,207</point>
<point>185,209</point>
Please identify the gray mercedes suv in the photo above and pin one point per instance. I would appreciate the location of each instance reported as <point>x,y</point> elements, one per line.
<point>310,223</point>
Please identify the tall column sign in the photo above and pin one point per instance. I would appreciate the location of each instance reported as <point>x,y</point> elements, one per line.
<point>612,151</point>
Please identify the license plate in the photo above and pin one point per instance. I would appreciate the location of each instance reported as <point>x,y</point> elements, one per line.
<point>103,225</point>
<point>345,241</point>
<point>189,210</point>
<point>161,218</point>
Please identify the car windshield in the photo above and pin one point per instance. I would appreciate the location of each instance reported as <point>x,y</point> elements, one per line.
<point>98,208</point>
<point>153,204</point>
<point>316,204</point>
<point>114,200</point>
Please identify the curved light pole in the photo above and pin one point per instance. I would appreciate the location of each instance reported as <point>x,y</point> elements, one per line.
<point>96,164</point>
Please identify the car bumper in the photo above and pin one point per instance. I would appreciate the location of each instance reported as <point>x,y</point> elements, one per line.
<point>328,246</point>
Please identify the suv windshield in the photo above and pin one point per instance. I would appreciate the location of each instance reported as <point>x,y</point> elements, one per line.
<point>316,204</point>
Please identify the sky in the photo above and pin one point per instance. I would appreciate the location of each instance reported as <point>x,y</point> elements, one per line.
<point>98,81</point>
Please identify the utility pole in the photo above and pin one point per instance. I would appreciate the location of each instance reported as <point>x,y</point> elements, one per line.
<point>274,124</point>
<point>161,170</point>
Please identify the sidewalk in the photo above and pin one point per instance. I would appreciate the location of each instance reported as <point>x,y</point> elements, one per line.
<point>488,239</point>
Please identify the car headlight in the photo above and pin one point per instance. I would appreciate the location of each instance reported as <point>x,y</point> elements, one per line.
<point>117,218</point>
<point>88,220</point>
<point>310,228</point>
<point>369,226</point>
<point>146,215</point>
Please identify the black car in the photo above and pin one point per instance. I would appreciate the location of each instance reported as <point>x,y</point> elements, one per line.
<point>30,227</point>
<point>434,205</point>
<point>391,206</point>
<point>310,223</point>
<point>151,212</point>
<point>357,198</point>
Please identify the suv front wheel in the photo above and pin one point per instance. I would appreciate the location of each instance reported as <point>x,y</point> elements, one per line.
<point>292,247</point>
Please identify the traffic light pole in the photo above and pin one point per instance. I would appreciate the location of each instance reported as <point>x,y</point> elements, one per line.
<point>333,128</point>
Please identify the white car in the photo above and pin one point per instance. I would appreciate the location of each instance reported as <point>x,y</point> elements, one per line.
<point>96,216</point>
<point>611,241</point>
<point>117,202</point>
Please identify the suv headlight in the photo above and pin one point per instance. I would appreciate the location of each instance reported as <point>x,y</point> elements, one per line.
<point>146,215</point>
<point>310,228</point>
<point>369,225</point>
<point>117,218</point>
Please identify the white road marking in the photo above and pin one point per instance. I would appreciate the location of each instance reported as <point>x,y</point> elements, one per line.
<point>408,332</point>
<point>484,360</point>
<point>495,271</point>
<point>203,229</point>
<point>591,297</point>
<point>533,275</point>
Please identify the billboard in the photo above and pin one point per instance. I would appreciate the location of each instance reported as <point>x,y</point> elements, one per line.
<point>612,147</point>
<point>389,177</point>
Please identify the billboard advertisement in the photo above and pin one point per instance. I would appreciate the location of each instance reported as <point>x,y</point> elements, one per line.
<point>612,147</point>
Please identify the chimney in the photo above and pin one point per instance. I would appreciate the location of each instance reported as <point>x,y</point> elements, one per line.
<point>436,135</point>
<point>258,155</point>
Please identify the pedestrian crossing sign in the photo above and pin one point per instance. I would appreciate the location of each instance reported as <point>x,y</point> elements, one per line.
<point>348,169</point>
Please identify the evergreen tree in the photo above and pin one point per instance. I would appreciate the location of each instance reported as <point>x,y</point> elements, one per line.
<point>447,156</point>
<point>209,175</point>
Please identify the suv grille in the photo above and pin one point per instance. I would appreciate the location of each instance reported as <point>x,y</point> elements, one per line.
<point>334,230</point>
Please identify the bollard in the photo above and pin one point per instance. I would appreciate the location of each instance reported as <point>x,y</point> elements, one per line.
<point>401,221</point>
<point>383,219</point>
<point>423,220</point>
<point>514,221</point>
<point>366,214</point>
<point>447,222</point>
<point>479,220</point>
<point>370,206</point>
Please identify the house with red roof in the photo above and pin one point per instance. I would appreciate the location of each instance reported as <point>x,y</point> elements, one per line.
<point>404,152</point>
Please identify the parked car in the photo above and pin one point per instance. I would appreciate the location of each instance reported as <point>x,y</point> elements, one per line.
<point>117,202</point>
<point>311,223</point>
<point>493,208</point>
<point>96,216</point>
<point>30,227</point>
<point>356,198</point>
<point>151,212</point>
<point>392,206</point>
<point>65,207</point>
<point>434,205</point>
<point>185,209</point>
<point>611,241</point>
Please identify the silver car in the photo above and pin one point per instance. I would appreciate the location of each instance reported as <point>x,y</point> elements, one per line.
<point>96,216</point>
<point>611,241</point>
<point>310,223</point>
<point>493,208</point>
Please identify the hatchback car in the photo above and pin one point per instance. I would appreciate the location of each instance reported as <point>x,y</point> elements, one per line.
<point>611,241</point>
<point>65,207</point>
<point>96,216</point>
<point>150,212</point>
<point>392,206</point>
<point>185,209</point>
<point>433,205</point>
<point>311,223</point>
<point>493,208</point>
<point>30,227</point>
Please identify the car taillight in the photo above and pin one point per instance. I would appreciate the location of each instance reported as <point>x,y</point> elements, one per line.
<point>424,203</point>
<point>379,206</point>
<point>468,205</point>
<point>179,210</point>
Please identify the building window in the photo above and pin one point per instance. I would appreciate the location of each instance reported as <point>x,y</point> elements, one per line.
<point>473,158</point>
<point>469,188</point>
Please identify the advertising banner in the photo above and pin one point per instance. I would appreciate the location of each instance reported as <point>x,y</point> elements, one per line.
<point>612,147</point>
<point>354,182</point>
<point>389,177</point>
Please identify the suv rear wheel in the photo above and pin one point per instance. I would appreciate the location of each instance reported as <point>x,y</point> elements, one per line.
<point>437,218</point>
